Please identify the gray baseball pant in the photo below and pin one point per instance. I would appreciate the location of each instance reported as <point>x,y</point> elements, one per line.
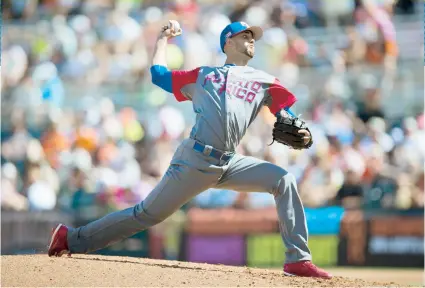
<point>190,173</point>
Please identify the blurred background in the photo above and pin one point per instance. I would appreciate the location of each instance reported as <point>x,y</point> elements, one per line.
<point>85,133</point>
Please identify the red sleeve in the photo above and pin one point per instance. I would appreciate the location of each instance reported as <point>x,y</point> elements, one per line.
<point>281,97</point>
<point>181,78</point>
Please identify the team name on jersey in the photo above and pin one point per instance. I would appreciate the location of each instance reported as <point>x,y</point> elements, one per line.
<point>243,89</point>
<point>239,88</point>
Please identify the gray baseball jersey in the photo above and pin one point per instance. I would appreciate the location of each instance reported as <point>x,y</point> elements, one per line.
<point>226,101</point>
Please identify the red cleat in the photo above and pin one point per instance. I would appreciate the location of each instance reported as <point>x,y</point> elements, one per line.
<point>59,243</point>
<point>305,269</point>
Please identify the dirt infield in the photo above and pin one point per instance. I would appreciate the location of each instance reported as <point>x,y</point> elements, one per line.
<point>101,271</point>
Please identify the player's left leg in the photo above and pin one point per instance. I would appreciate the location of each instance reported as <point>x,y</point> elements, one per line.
<point>248,174</point>
<point>179,184</point>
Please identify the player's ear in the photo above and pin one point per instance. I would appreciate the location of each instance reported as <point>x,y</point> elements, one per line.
<point>229,44</point>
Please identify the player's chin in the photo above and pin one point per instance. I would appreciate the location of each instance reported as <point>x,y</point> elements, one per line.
<point>250,54</point>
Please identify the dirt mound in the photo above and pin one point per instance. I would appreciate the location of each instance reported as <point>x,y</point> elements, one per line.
<point>101,271</point>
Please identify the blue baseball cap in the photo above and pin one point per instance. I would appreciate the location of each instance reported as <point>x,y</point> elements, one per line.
<point>238,27</point>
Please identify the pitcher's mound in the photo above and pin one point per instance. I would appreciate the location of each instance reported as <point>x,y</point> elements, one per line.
<point>103,271</point>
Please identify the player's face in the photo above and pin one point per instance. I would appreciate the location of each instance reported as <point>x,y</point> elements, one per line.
<point>244,43</point>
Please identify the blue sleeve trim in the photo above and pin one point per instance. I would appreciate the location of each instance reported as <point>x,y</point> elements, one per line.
<point>290,112</point>
<point>161,77</point>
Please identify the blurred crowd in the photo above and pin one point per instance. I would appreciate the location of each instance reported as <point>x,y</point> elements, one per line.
<point>74,140</point>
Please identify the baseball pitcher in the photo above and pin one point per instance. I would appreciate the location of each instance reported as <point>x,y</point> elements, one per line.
<point>226,100</point>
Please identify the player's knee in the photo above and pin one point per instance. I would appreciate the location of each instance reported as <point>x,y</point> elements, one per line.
<point>286,183</point>
<point>146,219</point>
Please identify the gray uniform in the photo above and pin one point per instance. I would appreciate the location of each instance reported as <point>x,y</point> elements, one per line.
<point>226,101</point>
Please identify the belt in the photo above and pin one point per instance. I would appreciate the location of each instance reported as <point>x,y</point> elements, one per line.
<point>208,150</point>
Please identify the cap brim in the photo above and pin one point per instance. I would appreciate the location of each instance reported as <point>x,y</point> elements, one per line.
<point>257,31</point>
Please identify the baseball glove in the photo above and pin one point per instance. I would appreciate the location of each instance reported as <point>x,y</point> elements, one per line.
<point>286,131</point>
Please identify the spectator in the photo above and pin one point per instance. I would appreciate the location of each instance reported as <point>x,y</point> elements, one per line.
<point>406,192</point>
<point>322,178</point>
<point>14,148</point>
<point>216,198</point>
<point>91,59</point>
<point>54,142</point>
<point>350,195</point>
<point>354,47</point>
<point>371,106</point>
<point>418,194</point>
<point>381,187</point>
<point>377,29</point>
<point>11,199</point>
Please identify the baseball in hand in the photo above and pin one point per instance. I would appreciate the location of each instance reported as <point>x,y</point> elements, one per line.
<point>174,27</point>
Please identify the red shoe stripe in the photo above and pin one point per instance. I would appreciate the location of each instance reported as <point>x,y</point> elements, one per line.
<point>54,235</point>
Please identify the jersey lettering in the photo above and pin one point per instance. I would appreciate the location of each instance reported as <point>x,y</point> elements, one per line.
<point>241,93</point>
<point>244,90</point>
<point>250,97</point>
<point>256,86</point>
<point>216,79</point>
<point>241,89</point>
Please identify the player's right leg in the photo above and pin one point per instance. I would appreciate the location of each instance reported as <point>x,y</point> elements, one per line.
<point>180,184</point>
<point>248,174</point>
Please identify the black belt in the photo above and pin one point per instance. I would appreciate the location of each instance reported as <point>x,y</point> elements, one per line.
<point>208,150</point>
